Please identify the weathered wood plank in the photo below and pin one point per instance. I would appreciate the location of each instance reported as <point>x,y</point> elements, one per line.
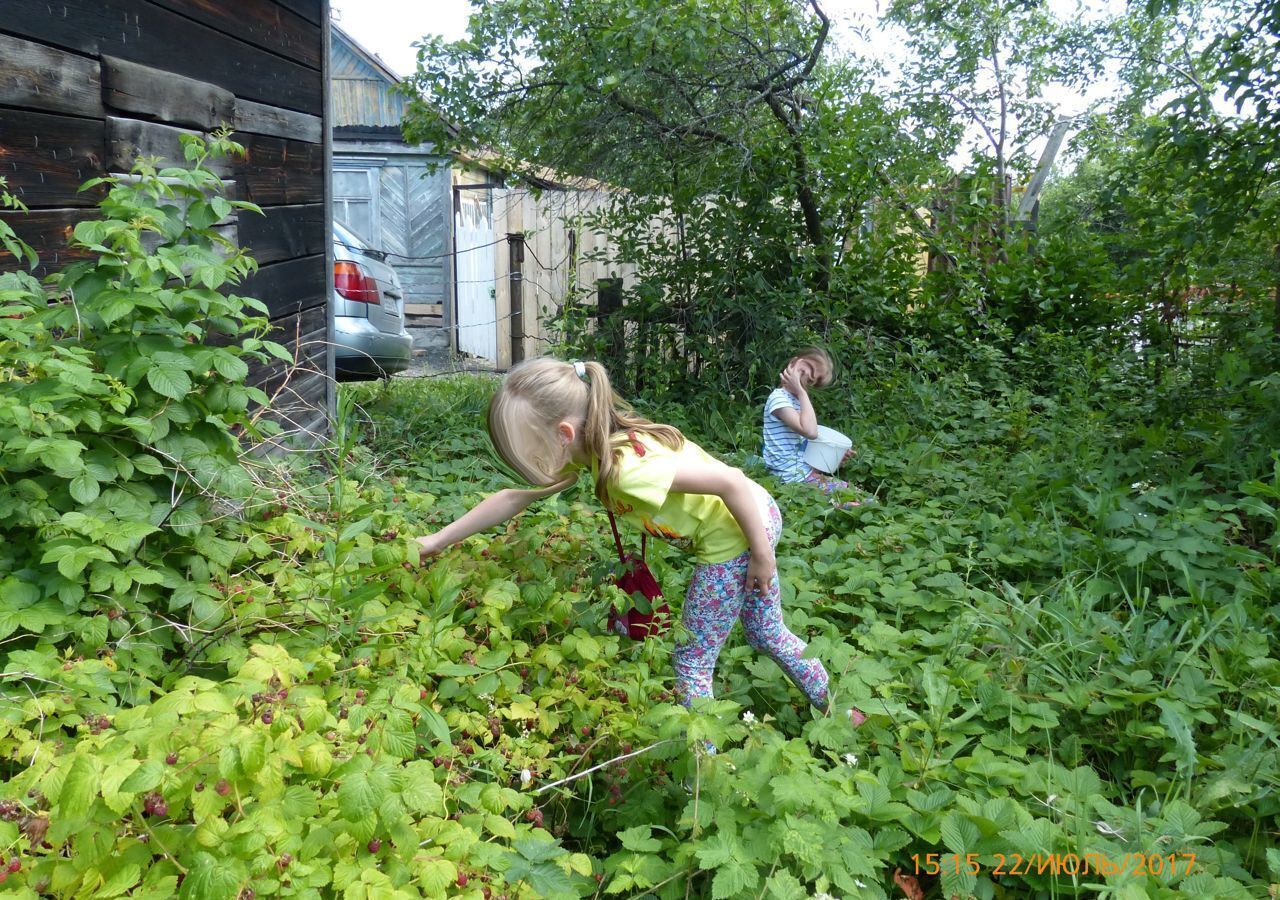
<point>260,118</point>
<point>290,287</point>
<point>263,23</point>
<point>423,309</point>
<point>39,77</point>
<point>284,232</point>
<point>165,96</point>
<point>47,231</point>
<point>128,139</point>
<point>303,335</point>
<point>311,10</point>
<point>144,33</point>
<point>275,171</point>
<point>298,389</point>
<point>45,158</point>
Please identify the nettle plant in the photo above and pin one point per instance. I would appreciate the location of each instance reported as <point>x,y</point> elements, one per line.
<point>125,380</point>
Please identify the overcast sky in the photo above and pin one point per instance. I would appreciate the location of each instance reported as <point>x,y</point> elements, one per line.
<point>389,27</point>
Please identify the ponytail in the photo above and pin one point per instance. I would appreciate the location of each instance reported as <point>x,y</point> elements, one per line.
<point>609,423</point>
<point>538,394</point>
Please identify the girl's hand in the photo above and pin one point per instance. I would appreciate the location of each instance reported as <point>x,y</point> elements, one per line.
<point>791,380</point>
<point>429,545</point>
<point>762,568</point>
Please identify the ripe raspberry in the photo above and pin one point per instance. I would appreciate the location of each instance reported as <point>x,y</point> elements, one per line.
<point>268,717</point>
<point>375,845</point>
<point>171,759</point>
<point>462,879</point>
<point>223,787</point>
<point>153,804</point>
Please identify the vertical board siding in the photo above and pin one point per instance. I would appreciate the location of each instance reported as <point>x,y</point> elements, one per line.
<point>87,86</point>
<point>393,206</point>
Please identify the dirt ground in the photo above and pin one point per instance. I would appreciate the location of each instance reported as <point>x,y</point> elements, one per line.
<point>433,363</point>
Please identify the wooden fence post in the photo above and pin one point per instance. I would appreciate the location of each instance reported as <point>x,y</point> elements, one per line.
<point>609,316</point>
<point>515,247</point>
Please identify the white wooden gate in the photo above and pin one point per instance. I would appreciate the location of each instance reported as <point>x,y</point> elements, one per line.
<point>474,253</point>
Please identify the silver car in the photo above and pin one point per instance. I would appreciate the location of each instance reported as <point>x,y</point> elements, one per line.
<point>368,312</point>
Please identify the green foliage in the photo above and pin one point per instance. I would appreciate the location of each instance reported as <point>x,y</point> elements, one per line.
<point>1054,614</point>
<point>124,382</point>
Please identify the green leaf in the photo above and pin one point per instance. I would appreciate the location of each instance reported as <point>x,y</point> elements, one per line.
<point>84,488</point>
<point>639,839</point>
<point>252,744</point>
<point>419,789</point>
<point>959,834</point>
<point>734,879</point>
<point>317,758</point>
<point>436,876</point>
<point>144,778</point>
<point>436,724</point>
<point>1173,716</point>
<point>537,849</point>
<point>785,886</point>
<point>361,794</point>
<point>147,464</point>
<point>718,849</point>
<point>120,881</point>
<point>230,367</point>
<point>80,786</point>
<point>213,879</point>
<point>169,381</point>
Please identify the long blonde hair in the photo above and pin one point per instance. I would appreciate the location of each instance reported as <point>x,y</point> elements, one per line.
<point>538,394</point>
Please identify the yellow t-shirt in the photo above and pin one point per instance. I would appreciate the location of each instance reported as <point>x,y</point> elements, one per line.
<point>698,523</point>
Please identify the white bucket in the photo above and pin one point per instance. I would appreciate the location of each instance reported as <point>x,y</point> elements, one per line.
<point>827,450</point>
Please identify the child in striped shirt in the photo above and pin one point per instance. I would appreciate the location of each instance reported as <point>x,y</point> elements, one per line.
<point>790,422</point>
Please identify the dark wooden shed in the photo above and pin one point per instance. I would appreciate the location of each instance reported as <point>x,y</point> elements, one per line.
<point>86,86</point>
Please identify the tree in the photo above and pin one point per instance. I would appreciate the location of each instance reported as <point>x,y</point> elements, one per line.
<point>681,100</point>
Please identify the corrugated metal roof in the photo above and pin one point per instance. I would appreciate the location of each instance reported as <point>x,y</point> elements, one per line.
<point>361,86</point>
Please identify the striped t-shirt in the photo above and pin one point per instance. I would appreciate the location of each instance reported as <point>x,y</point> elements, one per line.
<point>783,448</point>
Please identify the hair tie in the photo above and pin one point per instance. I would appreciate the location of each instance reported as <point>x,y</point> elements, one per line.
<point>581,369</point>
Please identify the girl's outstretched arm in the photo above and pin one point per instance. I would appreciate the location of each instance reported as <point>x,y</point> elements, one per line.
<point>492,510</point>
<point>734,488</point>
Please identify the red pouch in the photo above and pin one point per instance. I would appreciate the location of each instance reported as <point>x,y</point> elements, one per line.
<point>637,579</point>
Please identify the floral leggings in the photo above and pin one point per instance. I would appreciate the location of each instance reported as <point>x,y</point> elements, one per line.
<point>718,597</point>
<point>829,485</point>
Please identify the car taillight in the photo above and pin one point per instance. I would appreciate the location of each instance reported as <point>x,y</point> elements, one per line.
<point>353,282</point>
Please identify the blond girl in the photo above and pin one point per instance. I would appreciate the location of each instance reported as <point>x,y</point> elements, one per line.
<point>551,419</point>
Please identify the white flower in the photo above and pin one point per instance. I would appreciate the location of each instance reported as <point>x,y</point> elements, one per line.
<point>823,896</point>
<point>851,759</point>
<point>526,778</point>
<point>1109,830</point>
<point>749,717</point>
<point>859,884</point>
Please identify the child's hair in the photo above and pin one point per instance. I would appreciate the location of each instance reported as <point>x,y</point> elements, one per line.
<point>539,394</point>
<point>821,356</point>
